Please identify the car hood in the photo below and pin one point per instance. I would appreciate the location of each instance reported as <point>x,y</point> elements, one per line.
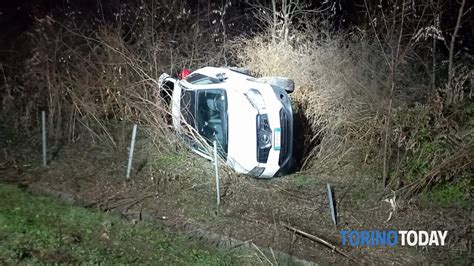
<point>242,136</point>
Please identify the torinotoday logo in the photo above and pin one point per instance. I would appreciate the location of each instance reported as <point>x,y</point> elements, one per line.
<point>391,238</point>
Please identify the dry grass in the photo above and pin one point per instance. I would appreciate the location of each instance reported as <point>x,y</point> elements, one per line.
<point>340,89</point>
<point>343,88</point>
<point>96,78</point>
<point>94,81</point>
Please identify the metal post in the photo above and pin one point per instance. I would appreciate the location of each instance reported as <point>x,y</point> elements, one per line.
<point>43,131</point>
<point>331,205</point>
<point>216,168</point>
<point>132,147</point>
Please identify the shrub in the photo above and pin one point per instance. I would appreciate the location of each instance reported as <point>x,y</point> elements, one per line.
<point>436,144</point>
<point>90,78</point>
<point>93,76</point>
<point>340,89</point>
<point>343,88</point>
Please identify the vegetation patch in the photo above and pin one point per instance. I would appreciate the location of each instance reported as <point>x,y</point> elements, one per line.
<point>38,229</point>
<point>455,194</point>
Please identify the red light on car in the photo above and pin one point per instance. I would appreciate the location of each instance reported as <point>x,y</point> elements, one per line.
<point>184,73</point>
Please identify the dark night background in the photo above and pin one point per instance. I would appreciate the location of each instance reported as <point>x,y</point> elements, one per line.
<point>16,17</point>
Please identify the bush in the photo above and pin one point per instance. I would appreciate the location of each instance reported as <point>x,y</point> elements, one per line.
<point>339,87</point>
<point>343,90</point>
<point>95,76</point>
<point>91,78</point>
<point>436,144</point>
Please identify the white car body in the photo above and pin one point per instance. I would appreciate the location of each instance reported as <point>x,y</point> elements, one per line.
<point>250,117</point>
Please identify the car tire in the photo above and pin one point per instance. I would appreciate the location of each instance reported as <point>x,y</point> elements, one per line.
<point>285,83</point>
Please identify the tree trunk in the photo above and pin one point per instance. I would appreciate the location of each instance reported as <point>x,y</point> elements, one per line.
<point>274,21</point>
<point>451,45</point>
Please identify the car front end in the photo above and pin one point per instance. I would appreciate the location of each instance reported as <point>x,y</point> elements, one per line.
<point>260,130</point>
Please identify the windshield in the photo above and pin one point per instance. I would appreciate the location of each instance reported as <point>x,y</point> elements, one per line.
<point>211,117</point>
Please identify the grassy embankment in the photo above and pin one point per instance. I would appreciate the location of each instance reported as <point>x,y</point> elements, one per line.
<point>38,229</point>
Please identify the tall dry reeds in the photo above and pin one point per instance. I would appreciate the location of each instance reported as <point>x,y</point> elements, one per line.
<point>96,77</point>
<point>339,89</point>
<point>89,80</point>
<point>348,93</point>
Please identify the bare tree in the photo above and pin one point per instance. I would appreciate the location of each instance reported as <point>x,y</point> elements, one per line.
<point>452,43</point>
<point>396,32</point>
<point>280,15</point>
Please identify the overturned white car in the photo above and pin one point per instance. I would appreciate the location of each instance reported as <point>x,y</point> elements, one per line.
<point>250,118</point>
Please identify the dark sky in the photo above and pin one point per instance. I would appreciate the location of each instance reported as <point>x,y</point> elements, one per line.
<point>16,16</point>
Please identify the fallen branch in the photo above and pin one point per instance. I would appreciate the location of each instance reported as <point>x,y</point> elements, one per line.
<point>318,240</point>
<point>262,254</point>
